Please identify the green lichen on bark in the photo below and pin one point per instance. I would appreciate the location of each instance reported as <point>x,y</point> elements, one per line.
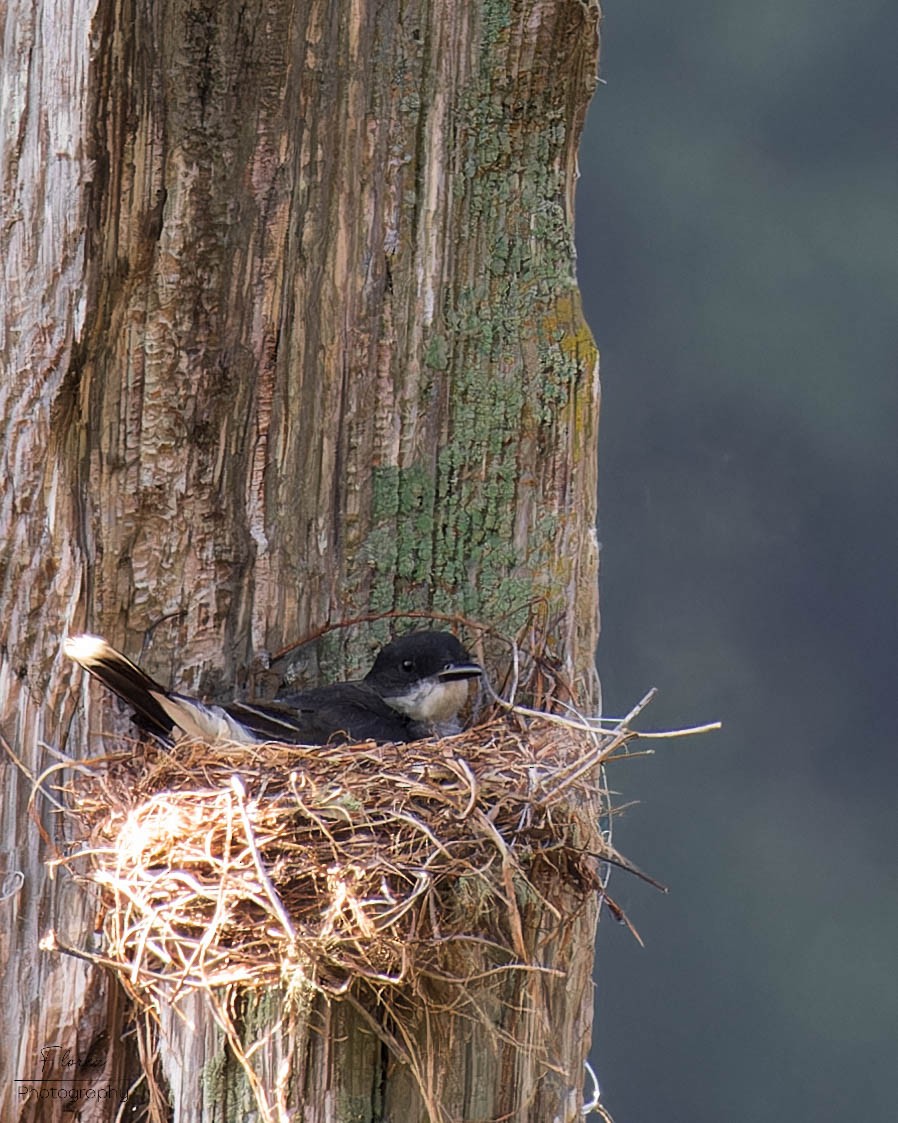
<point>511,350</point>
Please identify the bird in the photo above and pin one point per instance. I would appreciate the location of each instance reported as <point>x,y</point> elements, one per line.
<point>415,689</point>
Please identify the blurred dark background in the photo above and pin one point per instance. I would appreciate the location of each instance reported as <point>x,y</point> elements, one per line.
<point>738,253</point>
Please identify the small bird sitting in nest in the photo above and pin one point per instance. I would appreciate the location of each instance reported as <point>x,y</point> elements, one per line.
<point>415,689</point>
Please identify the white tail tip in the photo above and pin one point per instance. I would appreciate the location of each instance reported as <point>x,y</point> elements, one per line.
<point>85,648</point>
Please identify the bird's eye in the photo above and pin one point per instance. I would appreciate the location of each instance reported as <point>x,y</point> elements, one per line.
<point>408,665</point>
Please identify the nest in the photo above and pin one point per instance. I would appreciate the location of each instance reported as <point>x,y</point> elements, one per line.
<point>412,876</point>
<point>399,866</point>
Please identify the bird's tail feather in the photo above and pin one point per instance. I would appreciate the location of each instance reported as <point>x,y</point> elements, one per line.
<point>124,678</point>
<point>158,710</point>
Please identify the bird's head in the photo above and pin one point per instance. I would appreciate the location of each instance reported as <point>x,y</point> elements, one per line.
<point>424,675</point>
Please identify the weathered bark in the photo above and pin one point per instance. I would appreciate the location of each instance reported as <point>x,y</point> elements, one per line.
<point>289,332</point>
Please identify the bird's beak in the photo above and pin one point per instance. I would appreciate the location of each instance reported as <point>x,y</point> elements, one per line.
<point>459,670</point>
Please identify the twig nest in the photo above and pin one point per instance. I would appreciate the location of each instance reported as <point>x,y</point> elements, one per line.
<point>396,865</point>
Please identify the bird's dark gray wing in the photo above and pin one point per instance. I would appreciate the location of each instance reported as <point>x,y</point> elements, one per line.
<point>340,713</point>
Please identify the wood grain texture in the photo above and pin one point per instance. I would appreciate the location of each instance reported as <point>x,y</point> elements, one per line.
<point>289,331</point>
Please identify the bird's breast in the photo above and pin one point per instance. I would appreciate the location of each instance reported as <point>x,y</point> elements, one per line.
<point>432,700</point>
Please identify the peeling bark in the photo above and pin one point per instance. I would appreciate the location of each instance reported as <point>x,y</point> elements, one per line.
<point>289,332</point>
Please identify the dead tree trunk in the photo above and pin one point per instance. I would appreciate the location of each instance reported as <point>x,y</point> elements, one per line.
<point>289,332</point>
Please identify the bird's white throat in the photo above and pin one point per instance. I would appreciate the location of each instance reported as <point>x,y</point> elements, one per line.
<point>431,700</point>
